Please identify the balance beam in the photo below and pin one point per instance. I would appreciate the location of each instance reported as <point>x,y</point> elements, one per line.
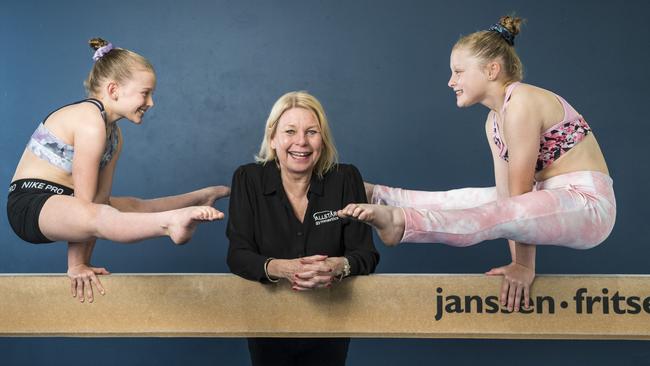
<point>377,306</point>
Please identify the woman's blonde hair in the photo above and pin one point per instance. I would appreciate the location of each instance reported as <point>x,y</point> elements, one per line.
<point>112,64</point>
<point>299,99</point>
<point>497,44</point>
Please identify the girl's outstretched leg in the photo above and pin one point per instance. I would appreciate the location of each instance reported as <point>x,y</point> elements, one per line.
<point>202,197</point>
<point>575,210</point>
<point>71,219</point>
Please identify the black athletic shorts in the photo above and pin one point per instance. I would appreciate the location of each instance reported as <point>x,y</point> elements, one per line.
<point>24,204</point>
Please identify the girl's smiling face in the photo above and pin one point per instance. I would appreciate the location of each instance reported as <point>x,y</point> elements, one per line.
<point>468,79</point>
<point>135,96</point>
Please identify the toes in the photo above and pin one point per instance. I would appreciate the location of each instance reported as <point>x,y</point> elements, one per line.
<point>207,213</point>
<point>361,213</point>
<point>203,214</point>
<point>363,216</point>
<point>215,214</point>
<point>349,209</point>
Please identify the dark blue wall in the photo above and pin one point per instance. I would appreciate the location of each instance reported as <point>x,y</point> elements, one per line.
<point>380,68</point>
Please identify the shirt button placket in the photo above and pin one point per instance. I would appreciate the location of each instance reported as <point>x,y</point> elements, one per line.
<point>301,239</point>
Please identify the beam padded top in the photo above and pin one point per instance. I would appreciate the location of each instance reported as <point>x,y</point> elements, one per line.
<point>386,306</point>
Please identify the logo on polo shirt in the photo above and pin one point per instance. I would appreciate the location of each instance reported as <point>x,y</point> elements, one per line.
<point>322,217</point>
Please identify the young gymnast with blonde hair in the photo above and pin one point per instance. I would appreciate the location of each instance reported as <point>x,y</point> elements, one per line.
<point>61,189</point>
<point>552,183</point>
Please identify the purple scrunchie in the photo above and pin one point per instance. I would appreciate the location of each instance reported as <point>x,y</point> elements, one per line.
<point>101,51</point>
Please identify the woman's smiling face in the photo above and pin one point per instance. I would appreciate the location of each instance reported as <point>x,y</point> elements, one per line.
<point>297,141</point>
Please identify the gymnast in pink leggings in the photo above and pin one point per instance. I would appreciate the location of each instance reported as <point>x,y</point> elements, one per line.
<point>552,182</point>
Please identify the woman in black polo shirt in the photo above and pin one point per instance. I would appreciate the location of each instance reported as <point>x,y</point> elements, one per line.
<point>283,223</point>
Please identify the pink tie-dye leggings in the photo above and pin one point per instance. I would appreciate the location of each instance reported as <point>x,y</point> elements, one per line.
<point>575,210</point>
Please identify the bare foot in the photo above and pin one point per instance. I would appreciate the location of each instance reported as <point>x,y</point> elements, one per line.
<point>183,222</point>
<point>387,220</point>
<point>211,194</point>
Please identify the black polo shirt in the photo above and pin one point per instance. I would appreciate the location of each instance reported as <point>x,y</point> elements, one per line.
<point>262,224</point>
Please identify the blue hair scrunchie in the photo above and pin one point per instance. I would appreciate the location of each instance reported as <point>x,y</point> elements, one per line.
<point>505,34</point>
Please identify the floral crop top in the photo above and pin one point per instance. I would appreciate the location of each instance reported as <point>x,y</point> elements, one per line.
<point>555,141</point>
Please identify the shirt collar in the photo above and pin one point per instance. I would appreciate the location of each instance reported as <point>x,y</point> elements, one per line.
<point>272,182</point>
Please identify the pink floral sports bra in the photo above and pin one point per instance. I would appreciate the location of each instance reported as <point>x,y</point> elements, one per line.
<point>555,141</point>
